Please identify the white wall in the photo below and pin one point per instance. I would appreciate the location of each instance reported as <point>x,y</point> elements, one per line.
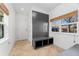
<point>21,27</point>
<point>9,38</point>
<point>29,26</point>
<point>63,40</point>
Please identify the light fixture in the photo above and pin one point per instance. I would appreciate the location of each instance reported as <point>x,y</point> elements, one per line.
<point>22,9</point>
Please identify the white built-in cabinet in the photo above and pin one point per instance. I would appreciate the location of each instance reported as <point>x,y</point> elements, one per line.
<point>65,40</point>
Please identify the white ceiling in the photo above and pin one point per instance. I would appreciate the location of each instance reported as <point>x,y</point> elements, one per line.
<point>27,6</point>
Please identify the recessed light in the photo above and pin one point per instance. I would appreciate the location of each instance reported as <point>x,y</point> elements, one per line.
<point>22,9</point>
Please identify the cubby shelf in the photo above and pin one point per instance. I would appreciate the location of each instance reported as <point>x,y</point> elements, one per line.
<point>42,42</point>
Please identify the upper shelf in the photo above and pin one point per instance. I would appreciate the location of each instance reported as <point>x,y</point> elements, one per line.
<point>65,15</point>
<point>4,9</point>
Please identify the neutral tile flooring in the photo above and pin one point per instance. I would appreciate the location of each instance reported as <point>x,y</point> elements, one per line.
<point>24,48</point>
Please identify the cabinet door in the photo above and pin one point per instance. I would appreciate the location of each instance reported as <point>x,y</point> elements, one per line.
<point>64,41</point>
<point>77,39</point>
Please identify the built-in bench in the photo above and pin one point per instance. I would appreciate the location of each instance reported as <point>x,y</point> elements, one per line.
<point>40,42</point>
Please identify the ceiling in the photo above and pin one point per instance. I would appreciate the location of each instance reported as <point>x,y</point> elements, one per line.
<point>24,8</point>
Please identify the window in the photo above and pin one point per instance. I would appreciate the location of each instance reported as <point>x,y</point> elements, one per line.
<point>1,26</point>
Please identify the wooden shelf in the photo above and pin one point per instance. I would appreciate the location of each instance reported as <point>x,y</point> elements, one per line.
<point>65,15</point>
